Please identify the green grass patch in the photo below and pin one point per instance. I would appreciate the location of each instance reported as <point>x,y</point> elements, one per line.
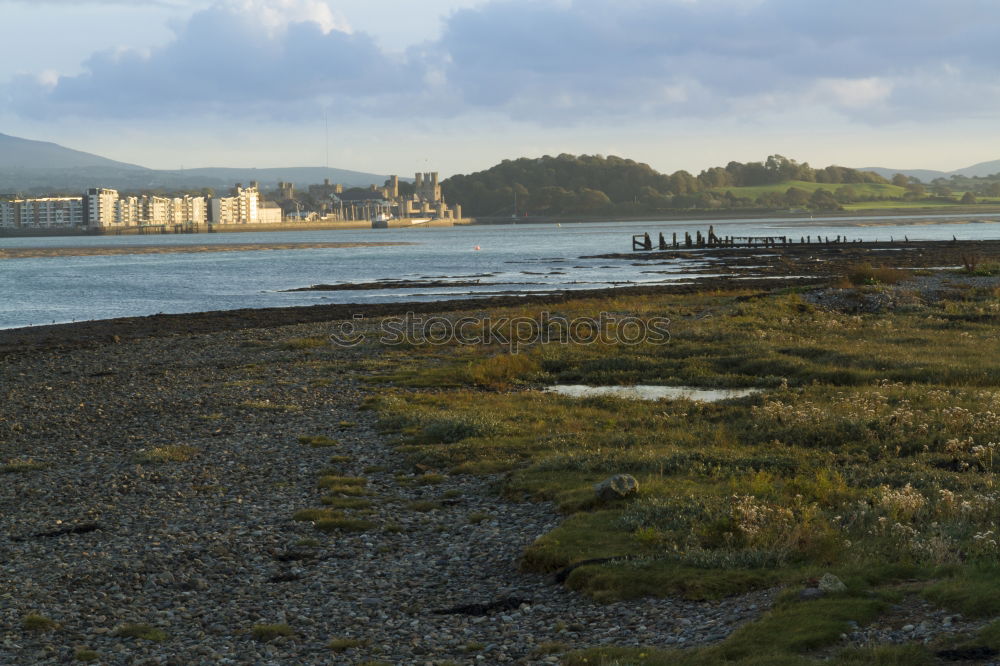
<point>268,632</point>
<point>344,524</point>
<point>85,655</point>
<point>306,343</point>
<point>146,632</point>
<point>21,467</point>
<point>35,622</point>
<point>344,644</point>
<point>165,454</point>
<point>972,591</point>
<point>873,440</point>
<point>317,441</point>
<point>267,405</point>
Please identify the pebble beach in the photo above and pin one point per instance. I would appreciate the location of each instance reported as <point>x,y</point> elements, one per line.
<point>99,537</point>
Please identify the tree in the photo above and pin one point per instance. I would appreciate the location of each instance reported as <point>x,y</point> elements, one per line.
<point>592,200</point>
<point>845,194</point>
<point>823,200</point>
<point>900,180</point>
<point>993,190</point>
<point>796,197</point>
<point>968,198</point>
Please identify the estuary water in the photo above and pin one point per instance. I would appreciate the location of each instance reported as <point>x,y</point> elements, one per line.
<point>495,259</point>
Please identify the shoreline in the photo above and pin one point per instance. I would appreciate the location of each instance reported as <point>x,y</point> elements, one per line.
<point>757,268</point>
<point>38,252</point>
<point>885,217</point>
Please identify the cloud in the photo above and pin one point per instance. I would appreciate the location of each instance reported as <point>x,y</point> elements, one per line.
<point>556,62</point>
<point>276,58</point>
<point>715,57</point>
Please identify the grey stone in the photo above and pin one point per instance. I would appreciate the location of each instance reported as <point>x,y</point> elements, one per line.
<point>830,583</point>
<point>618,486</point>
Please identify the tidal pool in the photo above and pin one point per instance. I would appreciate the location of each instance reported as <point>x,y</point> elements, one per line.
<point>647,392</point>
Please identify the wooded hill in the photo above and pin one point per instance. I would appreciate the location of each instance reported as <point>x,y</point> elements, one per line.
<point>595,185</point>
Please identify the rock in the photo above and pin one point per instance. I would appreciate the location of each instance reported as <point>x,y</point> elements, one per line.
<point>618,486</point>
<point>830,583</point>
<point>811,593</point>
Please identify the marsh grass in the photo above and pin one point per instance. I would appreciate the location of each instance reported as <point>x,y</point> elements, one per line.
<point>268,632</point>
<point>35,622</point>
<point>317,441</point>
<point>168,453</point>
<point>85,655</point>
<point>344,644</point>
<point>866,274</point>
<point>875,440</point>
<point>306,343</point>
<point>267,405</point>
<point>871,442</point>
<point>344,524</point>
<point>21,467</point>
<point>145,632</point>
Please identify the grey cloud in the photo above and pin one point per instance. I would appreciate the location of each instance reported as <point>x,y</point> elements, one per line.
<point>224,61</point>
<point>525,55</point>
<point>561,61</point>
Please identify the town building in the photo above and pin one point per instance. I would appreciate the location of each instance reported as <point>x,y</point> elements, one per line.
<point>240,208</point>
<point>99,207</point>
<point>42,213</point>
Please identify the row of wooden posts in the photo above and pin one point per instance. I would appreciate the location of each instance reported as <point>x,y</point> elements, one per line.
<point>642,242</point>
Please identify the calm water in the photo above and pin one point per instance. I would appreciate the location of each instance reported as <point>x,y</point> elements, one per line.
<point>523,258</point>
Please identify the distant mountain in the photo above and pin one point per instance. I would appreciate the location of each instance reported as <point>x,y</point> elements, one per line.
<point>17,153</point>
<point>927,175</point>
<point>979,170</point>
<point>38,167</point>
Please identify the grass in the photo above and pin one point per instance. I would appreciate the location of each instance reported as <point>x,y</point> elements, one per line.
<point>268,632</point>
<point>873,190</point>
<point>21,467</point>
<point>306,343</point>
<point>267,405</point>
<point>317,441</point>
<point>85,655</point>
<point>169,453</point>
<point>866,274</point>
<point>145,632</point>
<point>344,524</point>
<point>35,622</point>
<point>873,440</point>
<point>344,644</point>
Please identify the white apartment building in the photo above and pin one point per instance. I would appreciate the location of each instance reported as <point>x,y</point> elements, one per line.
<point>43,213</point>
<point>150,210</point>
<point>8,217</point>
<point>241,208</point>
<point>100,205</point>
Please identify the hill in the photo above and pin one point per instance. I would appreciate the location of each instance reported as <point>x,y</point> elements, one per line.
<point>980,170</point>
<point>39,167</point>
<point>598,185</point>
<point>17,153</point>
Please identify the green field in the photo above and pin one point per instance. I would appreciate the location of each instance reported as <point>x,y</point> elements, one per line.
<point>862,189</point>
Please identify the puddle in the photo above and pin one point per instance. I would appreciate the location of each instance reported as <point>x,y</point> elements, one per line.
<point>650,392</point>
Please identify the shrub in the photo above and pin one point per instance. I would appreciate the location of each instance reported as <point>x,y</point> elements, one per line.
<point>143,631</point>
<point>862,274</point>
<point>268,632</point>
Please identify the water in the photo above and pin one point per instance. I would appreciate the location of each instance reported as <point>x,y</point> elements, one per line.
<point>646,392</point>
<point>521,258</point>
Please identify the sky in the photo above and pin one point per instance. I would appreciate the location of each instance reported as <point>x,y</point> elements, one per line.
<point>399,86</point>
